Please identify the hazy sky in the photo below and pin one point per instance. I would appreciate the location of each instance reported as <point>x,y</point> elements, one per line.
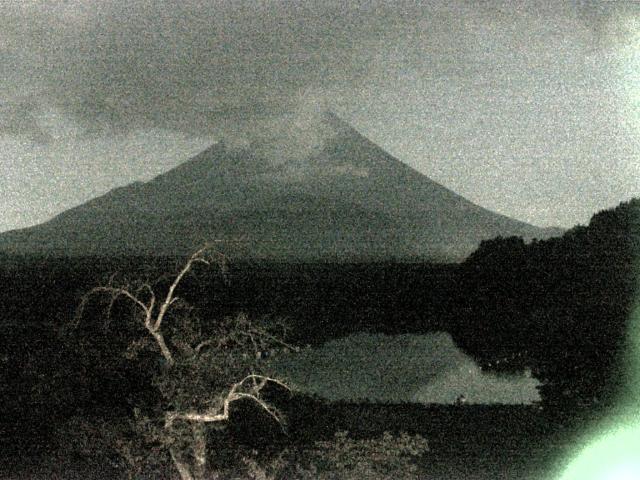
<point>530,109</point>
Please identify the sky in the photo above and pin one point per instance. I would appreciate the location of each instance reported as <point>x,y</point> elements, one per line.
<point>530,109</point>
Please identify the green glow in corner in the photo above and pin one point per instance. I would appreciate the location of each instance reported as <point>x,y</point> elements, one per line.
<point>614,450</point>
<point>614,456</point>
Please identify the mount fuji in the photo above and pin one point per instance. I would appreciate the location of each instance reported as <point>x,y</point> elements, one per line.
<point>324,192</point>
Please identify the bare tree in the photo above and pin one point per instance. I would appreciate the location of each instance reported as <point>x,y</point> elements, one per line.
<point>198,381</point>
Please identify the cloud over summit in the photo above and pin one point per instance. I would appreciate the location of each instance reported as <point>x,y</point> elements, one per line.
<point>471,94</point>
<point>185,65</point>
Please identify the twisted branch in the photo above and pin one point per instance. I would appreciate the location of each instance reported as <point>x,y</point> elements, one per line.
<point>148,308</point>
<point>233,395</point>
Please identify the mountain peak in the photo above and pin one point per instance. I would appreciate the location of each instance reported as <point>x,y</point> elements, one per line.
<point>321,191</point>
<point>333,120</point>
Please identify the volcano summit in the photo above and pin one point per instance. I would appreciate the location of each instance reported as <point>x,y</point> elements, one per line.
<point>324,192</point>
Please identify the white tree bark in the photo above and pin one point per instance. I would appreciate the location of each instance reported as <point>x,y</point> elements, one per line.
<point>250,387</point>
<point>199,451</point>
<point>198,419</point>
<point>181,465</point>
<point>152,319</point>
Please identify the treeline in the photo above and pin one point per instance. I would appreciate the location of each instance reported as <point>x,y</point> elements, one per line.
<point>51,372</point>
<point>561,305</point>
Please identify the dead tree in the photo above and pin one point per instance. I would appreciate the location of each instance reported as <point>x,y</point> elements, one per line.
<point>235,345</point>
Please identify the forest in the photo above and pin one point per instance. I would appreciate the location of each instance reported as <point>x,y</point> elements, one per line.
<point>83,381</point>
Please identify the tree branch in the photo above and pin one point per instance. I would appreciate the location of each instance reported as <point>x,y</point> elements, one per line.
<point>183,469</point>
<point>271,411</point>
<point>115,293</point>
<point>198,256</point>
<point>263,333</point>
<point>232,396</point>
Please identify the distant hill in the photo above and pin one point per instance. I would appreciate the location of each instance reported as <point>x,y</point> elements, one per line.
<point>346,199</point>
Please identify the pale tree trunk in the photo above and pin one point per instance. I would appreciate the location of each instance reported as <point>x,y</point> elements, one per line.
<point>199,451</point>
<point>197,468</point>
<point>181,465</point>
<point>166,353</point>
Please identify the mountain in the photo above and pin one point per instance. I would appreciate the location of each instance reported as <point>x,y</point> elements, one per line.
<point>322,192</point>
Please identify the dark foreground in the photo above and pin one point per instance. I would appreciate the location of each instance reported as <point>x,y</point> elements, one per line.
<point>561,307</point>
<point>468,442</point>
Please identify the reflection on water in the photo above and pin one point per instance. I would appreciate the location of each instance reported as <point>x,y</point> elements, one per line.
<point>402,368</point>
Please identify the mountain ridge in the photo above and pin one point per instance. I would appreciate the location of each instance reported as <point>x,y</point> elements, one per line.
<point>343,197</point>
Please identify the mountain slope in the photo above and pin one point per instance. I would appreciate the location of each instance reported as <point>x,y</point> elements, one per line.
<point>343,199</point>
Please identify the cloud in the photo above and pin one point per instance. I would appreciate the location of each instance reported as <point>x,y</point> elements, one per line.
<point>20,119</point>
<point>182,65</point>
<point>612,24</point>
<point>189,64</point>
<point>39,180</point>
<point>401,368</point>
<point>473,94</point>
